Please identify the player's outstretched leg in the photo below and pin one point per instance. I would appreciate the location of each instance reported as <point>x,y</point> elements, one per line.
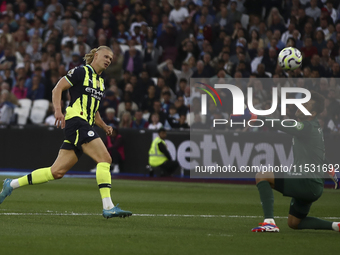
<point>6,190</point>
<point>264,183</point>
<point>312,223</point>
<point>65,160</point>
<point>38,176</point>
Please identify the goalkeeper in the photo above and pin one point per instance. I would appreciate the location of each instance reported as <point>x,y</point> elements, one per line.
<point>306,187</point>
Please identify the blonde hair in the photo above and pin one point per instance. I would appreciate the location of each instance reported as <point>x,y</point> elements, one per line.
<point>274,10</point>
<point>90,56</point>
<point>125,123</point>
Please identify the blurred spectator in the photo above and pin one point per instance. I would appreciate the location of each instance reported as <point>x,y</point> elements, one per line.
<point>166,103</point>
<point>10,96</point>
<point>123,36</point>
<point>157,108</point>
<point>124,107</point>
<point>155,124</point>
<point>222,21</point>
<point>178,14</point>
<point>315,65</point>
<point>200,72</point>
<point>109,101</point>
<point>295,40</point>
<point>277,35</point>
<point>69,37</point>
<point>335,71</point>
<point>109,118</point>
<point>115,68</point>
<point>138,121</point>
<point>325,58</point>
<point>320,42</point>
<point>151,56</point>
<point>170,78</point>
<point>167,41</point>
<point>126,120</point>
<point>119,8</point>
<point>234,14</point>
<point>182,123</point>
<point>115,146</point>
<point>185,73</point>
<point>19,90</point>
<point>184,32</point>
<point>132,61</point>
<point>36,89</point>
<point>137,34</point>
<point>186,50</point>
<point>182,85</point>
<point>142,86</point>
<point>147,104</point>
<point>313,11</point>
<point>8,60</point>
<point>288,33</point>
<point>270,61</point>
<point>334,49</point>
<point>6,108</point>
<point>173,118</point>
<point>124,80</point>
<point>308,50</point>
<point>257,60</point>
<point>207,66</point>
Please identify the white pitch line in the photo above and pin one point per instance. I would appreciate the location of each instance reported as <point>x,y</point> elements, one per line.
<point>151,215</point>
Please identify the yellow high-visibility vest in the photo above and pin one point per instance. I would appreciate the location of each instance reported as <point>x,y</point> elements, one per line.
<point>156,157</point>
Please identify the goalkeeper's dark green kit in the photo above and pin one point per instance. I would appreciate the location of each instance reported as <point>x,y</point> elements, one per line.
<point>305,181</point>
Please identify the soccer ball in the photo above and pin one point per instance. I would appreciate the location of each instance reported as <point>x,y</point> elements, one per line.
<point>290,58</point>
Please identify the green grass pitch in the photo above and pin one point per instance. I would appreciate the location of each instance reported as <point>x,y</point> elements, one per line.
<point>64,217</point>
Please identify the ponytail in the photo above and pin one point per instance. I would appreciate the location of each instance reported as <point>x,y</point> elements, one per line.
<point>90,56</point>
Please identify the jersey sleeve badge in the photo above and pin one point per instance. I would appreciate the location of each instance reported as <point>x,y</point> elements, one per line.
<point>299,126</point>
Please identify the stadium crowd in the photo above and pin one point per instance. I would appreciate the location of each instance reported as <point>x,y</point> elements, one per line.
<point>159,45</point>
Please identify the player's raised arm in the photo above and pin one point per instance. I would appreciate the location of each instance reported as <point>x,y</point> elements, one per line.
<point>62,85</point>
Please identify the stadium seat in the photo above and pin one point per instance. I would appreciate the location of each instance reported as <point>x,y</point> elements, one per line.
<point>39,110</point>
<point>245,21</point>
<point>23,111</point>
